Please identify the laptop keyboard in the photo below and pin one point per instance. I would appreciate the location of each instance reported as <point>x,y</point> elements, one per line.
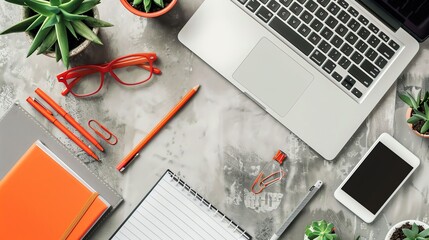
<point>333,35</point>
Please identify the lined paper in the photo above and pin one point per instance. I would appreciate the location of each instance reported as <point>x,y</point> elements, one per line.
<point>172,210</point>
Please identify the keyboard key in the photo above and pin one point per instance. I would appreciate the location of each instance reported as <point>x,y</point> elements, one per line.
<point>360,75</point>
<point>306,17</point>
<point>344,63</point>
<point>361,46</point>
<point>311,6</point>
<point>318,57</point>
<point>323,2</point>
<point>314,38</point>
<point>304,30</point>
<point>373,41</point>
<point>263,1</point>
<point>347,49</point>
<point>334,54</point>
<point>350,80</point>
<point>337,76</point>
<point>337,41</point>
<point>363,33</point>
<point>331,22</point>
<point>316,25</point>
<point>324,46</point>
<point>363,20</point>
<point>341,30</point>
<point>286,3</point>
<point>394,45</point>
<point>292,36</point>
<point>301,1</point>
<point>326,33</point>
<point>368,67</point>
<point>385,51</point>
<point>283,14</point>
<point>343,3</point>
<point>381,62</point>
<point>329,66</point>
<point>347,84</point>
<point>333,8</point>
<point>321,14</point>
<point>253,5</point>
<point>353,11</point>
<point>371,54</point>
<point>383,36</point>
<point>296,8</point>
<point>242,1</point>
<point>357,93</point>
<point>344,17</point>
<point>354,25</point>
<point>264,14</point>
<point>294,22</point>
<point>351,38</point>
<point>273,5</point>
<point>356,57</point>
<point>373,28</point>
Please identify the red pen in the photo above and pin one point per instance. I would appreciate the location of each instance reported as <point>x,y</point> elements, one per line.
<point>48,115</point>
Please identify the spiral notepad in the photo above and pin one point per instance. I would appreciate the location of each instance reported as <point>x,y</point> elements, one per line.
<point>173,210</point>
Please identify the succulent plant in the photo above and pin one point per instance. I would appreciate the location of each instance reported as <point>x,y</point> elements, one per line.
<point>54,20</point>
<point>415,234</point>
<point>420,108</point>
<point>148,3</point>
<point>414,103</point>
<point>321,230</point>
<point>421,116</point>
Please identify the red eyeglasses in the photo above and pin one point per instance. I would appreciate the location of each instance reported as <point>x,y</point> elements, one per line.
<point>130,70</point>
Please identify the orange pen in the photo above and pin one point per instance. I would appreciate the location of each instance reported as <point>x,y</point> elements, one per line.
<point>68,118</point>
<point>48,115</point>
<point>135,152</point>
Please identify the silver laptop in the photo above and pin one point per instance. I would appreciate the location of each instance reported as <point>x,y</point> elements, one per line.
<point>317,66</point>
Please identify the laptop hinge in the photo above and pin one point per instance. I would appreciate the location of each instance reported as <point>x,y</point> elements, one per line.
<point>391,21</point>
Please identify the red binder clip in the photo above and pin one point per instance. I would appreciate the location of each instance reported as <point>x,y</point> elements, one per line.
<point>274,173</point>
<point>109,137</point>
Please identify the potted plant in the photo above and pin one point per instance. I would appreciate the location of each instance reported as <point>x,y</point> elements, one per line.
<point>409,230</point>
<point>58,25</point>
<point>149,8</point>
<point>320,230</point>
<point>418,113</point>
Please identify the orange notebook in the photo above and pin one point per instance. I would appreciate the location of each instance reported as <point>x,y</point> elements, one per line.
<point>41,198</point>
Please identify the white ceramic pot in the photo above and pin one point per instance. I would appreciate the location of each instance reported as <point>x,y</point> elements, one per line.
<point>399,224</point>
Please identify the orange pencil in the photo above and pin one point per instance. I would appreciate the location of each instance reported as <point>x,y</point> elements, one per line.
<point>135,152</point>
<point>48,115</point>
<point>68,118</point>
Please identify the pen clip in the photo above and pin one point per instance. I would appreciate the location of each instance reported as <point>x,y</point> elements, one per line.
<point>43,106</point>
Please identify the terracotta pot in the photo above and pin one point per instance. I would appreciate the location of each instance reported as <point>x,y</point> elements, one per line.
<point>75,51</point>
<point>399,224</point>
<point>407,116</point>
<point>161,12</point>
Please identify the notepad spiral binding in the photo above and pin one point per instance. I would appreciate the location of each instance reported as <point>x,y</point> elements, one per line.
<point>199,198</point>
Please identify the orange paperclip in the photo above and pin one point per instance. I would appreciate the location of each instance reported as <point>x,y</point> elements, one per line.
<point>110,136</point>
<point>275,176</point>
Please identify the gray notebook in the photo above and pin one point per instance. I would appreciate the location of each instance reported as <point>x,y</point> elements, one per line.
<point>19,130</point>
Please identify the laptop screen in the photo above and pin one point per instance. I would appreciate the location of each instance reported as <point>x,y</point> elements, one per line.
<point>412,13</point>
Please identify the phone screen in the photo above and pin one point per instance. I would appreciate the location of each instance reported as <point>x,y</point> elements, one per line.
<point>375,180</point>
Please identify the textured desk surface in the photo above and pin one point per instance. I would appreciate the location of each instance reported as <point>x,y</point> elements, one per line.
<point>220,139</point>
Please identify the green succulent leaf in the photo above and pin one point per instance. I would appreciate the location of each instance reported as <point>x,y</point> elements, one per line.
<point>18,2</point>
<point>137,2</point>
<point>72,17</point>
<point>36,22</point>
<point>425,127</point>
<point>86,6</point>
<point>55,2</point>
<point>93,22</point>
<point>39,38</point>
<point>424,233</point>
<point>71,6</point>
<point>419,97</point>
<point>413,120</point>
<point>21,26</point>
<point>48,42</point>
<point>408,233</point>
<point>57,53</point>
<point>426,97</point>
<point>71,29</point>
<point>52,20</point>
<point>63,43</point>
<point>160,3</point>
<point>406,99</point>
<point>414,104</point>
<point>147,5</point>
<point>42,8</point>
<point>86,32</point>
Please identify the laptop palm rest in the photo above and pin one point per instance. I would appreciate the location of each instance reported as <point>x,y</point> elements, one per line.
<point>273,77</point>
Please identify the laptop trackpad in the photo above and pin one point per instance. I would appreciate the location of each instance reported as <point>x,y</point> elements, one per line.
<point>273,76</point>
